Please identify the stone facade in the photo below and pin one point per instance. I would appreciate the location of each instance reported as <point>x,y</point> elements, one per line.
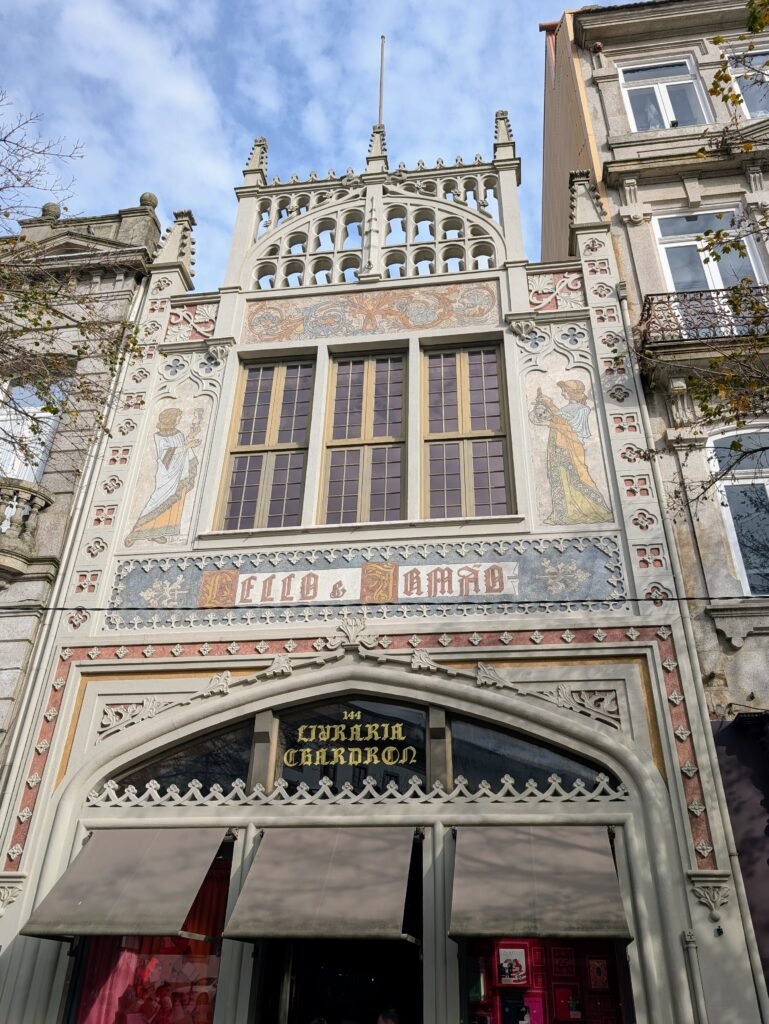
<point>611,106</point>
<point>541,600</point>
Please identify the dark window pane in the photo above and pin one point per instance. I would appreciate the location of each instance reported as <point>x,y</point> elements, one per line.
<point>344,482</point>
<point>385,495</point>
<point>755,95</point>
<point>484,391</point>
<point>693,224</point>
<point>655,72</point>
<point>244,487</point>
<point>743,451</point>
<point>444,481</point>
<point>256,405</point>
<point>686,268</point>
<point>686,106</point>
<point>294,413</point>
<point>488,467</point>
<point>216,758</point>
<point>348,401</point>
<point>482,754</point>
<point>646,109</point>
<point>442,393</point>
<point>749,507</point>
<point>286,490</point>
<point>388,397</point>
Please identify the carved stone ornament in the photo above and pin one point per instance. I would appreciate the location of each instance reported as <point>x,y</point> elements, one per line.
<point>326,794</point>
<point>713,896</point>
<point>9,893</point>
<point>600,705</point>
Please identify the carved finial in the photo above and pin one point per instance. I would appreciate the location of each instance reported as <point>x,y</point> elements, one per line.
<point>584,202</point>
<point>376,160</point>
<point>178,246</point>
<point>502,130</point>
<point>257,158</point>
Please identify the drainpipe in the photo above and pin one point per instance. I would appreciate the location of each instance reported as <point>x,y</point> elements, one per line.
<point>675,564</point>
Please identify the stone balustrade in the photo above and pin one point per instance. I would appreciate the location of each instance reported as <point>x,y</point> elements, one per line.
<point>21,503</point>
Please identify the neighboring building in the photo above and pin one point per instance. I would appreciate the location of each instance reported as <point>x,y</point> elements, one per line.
<point>367,633</point>
<point>109,256</point>
<point>627,97</point>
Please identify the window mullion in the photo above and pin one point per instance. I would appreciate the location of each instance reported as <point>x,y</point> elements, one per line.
<point>665,106</point>
<point>364,484</point>
<point>466,469</point>
<point>315,469</point>
<point>265,489</point>
<point>276,402</point>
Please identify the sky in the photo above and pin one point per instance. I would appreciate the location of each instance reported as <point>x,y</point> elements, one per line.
<point>167,96</point>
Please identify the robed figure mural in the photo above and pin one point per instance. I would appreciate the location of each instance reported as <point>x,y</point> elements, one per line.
<point>175,473</point>
<point>574,494</point>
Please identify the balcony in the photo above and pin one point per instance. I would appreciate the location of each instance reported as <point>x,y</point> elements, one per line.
<point>21,504</point>
<point>704,319</point>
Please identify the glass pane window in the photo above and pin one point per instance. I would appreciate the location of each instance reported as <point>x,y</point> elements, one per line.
<point>688,266</point>
<point>27,430</point>
<point>363,477</point>
<point>267,462</point>
<point>663,96</point>
<point>745,452</point>
<point>748,506</point>
<point>465,434</point>
<point>751,75</point>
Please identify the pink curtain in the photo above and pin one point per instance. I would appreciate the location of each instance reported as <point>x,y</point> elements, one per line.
<point>159,980</point>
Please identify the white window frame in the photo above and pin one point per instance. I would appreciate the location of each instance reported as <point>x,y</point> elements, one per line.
<point>738,476</point>
<point>738,73</point>
<point>660,91</point>
<point>711,269</point>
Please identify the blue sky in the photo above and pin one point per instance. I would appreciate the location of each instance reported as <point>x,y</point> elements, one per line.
<point>167,95</point>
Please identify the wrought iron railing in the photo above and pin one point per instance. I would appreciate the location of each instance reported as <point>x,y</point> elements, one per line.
<point>704,315</point>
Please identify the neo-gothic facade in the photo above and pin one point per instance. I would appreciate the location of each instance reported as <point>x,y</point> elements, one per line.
<point>370,631</point>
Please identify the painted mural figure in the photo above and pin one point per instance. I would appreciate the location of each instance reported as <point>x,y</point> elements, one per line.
<point>575,495</point>
<point>175,474</point>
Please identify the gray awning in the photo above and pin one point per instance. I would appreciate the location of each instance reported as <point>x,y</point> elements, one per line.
<point>128,881</point>
<point>539,881</point>
<point>330,882</point>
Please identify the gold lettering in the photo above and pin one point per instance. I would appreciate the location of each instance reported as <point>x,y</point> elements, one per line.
<point>305,756</point>
<point>337,755</point>
<point>306,733</point>
<point>321,755</point>
<point>390,755</point>
<point>370,755</point>
<point>372,731</point>
<point>355,733</point>
<point>290,757</point>
<point>409,755</point>
<point>396,731</point>
<point>355,755</point>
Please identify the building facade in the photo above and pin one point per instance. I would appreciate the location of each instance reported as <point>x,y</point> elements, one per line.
<point>367,635</point>
<point>108,256</point>
<point>628,96</point>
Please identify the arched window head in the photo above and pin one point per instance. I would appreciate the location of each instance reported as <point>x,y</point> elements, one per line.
<point>265,275</point>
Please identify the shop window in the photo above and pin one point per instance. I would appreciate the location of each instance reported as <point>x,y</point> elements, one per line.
<point>364,455</point>
<point>750,78</point>
<point>350,740</point>
<point>743,461</point>
<point>482,754</point>
<point>218,758</point>
<point>687,266</point>
<point>465,435</point>
<point>172,978</point>
<point>268,457</point>
<point>663,96</point>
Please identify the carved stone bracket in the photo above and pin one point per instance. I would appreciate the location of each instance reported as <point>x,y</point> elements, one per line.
<point>9,893</point>
<point>710,888</point>
<point>737,620</point>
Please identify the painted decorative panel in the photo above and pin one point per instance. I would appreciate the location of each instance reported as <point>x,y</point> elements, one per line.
<point>435,579</point>
<point>373,312</point>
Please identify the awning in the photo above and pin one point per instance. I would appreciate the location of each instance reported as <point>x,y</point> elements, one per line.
<point>331,882</point>
<point>128,881</point>
<point>539,881</point>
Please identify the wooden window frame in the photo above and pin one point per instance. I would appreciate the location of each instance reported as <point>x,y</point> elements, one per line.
<point>271,447</point>
<point>465,435</point>
<point>366,443</point>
